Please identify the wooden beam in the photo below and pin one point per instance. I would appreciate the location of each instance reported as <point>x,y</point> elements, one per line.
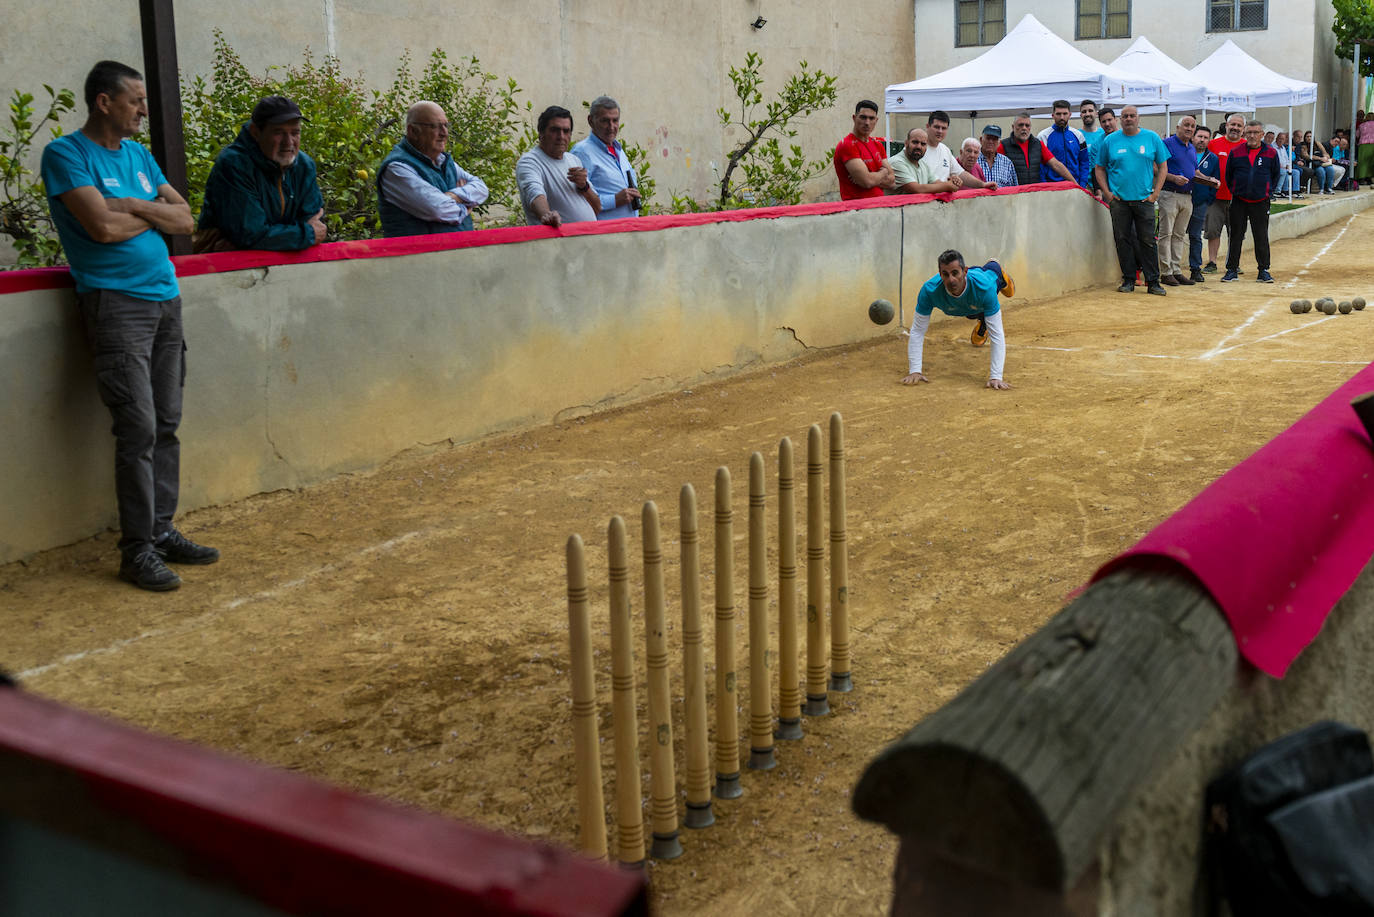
<point>1022,773</point>
<point>164,100</point>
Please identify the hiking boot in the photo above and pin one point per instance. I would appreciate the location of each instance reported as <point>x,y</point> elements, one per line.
<point>1126,287</point>
<point>1210,268</point>
<point>1156,289</point>
<point>1228,277</point>
<point>175,548</point>
<point>1196,277</point>
<point>979,337</point>
<point>147,571</point>
<point>1263,277</point>
<point>1182,281</point>
<point>1168,280</point>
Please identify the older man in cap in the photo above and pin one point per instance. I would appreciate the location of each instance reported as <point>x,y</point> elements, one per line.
<point>420,189</point>
<point>997,168</point>
<point>262,192</point>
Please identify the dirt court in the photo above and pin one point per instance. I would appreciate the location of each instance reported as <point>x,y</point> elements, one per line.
<point>404,632</point>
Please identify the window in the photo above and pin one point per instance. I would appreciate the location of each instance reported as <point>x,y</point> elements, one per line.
<point>1237,15</point>
<point>979,22</point>
<point>1104,19</point>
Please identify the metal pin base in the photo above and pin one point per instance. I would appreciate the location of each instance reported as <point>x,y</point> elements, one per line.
<point>727,786</point>
<point>788,729</point>
<point>699,815</point>
<point>665,847</point>
<point>816,705</point>
<point>841,682</point>
<point>761,759</point>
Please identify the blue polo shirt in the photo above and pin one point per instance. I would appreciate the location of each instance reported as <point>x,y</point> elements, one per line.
<point>1182,161</point>
<point>1129,162</point>
<point>138,266</point>
<point>979,296</point>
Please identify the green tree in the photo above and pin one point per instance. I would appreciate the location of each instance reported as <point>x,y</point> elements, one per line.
<point>768,174</point>
<point>1355,22</point>
<point>24,215</point>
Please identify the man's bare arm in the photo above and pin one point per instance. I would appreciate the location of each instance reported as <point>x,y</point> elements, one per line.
<point>935,187</point>
<point>1063,170</point>
<point>169,212</point>
<point>859,175</point>
<point>102,223</point>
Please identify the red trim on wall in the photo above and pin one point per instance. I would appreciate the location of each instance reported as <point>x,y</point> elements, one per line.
<point>193,265</point>
<point>292,842</point>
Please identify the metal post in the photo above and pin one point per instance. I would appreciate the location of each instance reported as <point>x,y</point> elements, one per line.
<point>164,100</point>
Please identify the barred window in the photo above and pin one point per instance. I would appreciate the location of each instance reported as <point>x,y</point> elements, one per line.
<point>1237,15</point>
<point>979,22</point>
<point>1103,19</point>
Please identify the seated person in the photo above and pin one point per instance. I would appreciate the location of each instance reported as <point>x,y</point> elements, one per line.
<point>912,172</point>
<point>262,192</point>
<point>420,189</point>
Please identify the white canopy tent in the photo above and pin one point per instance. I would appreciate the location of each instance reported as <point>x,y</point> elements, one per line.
<point>1029,68</point>
<point>1185,92</point>
<point>1229,66</point>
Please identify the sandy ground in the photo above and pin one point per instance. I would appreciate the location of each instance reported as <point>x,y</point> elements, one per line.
<point>405,632</point>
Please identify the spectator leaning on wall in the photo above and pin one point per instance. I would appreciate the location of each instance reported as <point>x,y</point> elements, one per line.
<point>1069,146</point>
<point>860,158</point>
<point>262,191</point>
<point>608,168</point>
<point>109,199</point>
<point>420,189</point>
<point>554,188</point>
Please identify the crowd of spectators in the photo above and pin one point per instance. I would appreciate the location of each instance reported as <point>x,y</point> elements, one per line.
<point>1166,195</point>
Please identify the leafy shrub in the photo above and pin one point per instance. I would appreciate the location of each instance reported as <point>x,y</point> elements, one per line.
<point>24,213</point>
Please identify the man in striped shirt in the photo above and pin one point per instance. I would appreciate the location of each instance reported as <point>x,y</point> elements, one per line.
<point>997,168</point>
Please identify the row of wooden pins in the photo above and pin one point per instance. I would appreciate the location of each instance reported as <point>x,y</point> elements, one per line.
<point>663,782</point>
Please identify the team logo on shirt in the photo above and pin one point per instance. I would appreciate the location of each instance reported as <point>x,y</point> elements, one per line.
<point>1142,149</point>
<point>148,186</point>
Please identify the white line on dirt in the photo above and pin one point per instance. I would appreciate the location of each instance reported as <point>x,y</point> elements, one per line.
<point>1221,346</point>
<point>192,623</point>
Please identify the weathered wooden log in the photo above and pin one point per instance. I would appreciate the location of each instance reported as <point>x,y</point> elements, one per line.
<point>1020,775</point>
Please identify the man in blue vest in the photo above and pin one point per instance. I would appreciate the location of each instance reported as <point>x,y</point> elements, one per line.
<point>109,200</point>
<point>608,168</point>
<point>420,189</point>
<point>262,192</point>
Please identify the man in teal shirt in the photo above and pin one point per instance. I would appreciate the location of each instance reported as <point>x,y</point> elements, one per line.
<point>1130,168</point>
<point>109,199</point>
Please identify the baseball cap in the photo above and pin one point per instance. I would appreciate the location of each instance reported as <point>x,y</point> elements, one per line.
<point>275,110</point>
<point>992,130</point>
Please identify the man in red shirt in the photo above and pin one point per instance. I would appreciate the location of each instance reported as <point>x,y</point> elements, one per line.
<point>860,158</point>
<point>1218,214</point>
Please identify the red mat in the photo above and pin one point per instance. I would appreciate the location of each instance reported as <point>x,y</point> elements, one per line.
<point>1278,539</point>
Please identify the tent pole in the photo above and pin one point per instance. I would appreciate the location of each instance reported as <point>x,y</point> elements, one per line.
<point>1291,148</point>
<point>887,128</point>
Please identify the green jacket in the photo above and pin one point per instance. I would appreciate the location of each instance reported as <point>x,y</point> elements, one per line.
<point>255,203</point>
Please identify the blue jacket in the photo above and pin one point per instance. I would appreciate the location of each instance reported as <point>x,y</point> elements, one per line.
<point>1210,166</point>
<point>255,203</point>
<point>1071,149</point>
<point>1252,182</point>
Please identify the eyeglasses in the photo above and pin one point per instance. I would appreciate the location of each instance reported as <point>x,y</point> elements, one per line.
<point>436,125</point>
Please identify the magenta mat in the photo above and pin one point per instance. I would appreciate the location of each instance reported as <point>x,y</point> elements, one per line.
<point>1279,538</point>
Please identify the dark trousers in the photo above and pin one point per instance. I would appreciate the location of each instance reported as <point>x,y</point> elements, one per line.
<point>1196,225</point>
<point>1256,213</point>
<point>140,368</point>
<point>1133,228</point>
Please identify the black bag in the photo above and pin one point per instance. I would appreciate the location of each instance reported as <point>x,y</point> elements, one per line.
<point>1290,830</point>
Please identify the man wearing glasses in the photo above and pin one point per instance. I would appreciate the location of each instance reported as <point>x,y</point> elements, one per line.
<point>420,189</point>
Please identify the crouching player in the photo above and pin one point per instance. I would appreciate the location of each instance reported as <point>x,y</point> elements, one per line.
<point>972,293</point>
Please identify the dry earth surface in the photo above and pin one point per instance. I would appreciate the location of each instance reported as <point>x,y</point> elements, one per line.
<point>404,632</point>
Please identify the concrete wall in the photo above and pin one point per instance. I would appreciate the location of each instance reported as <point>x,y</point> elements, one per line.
<point>298,372</point>
<point>667,65</point>
<point>1151,862</point>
